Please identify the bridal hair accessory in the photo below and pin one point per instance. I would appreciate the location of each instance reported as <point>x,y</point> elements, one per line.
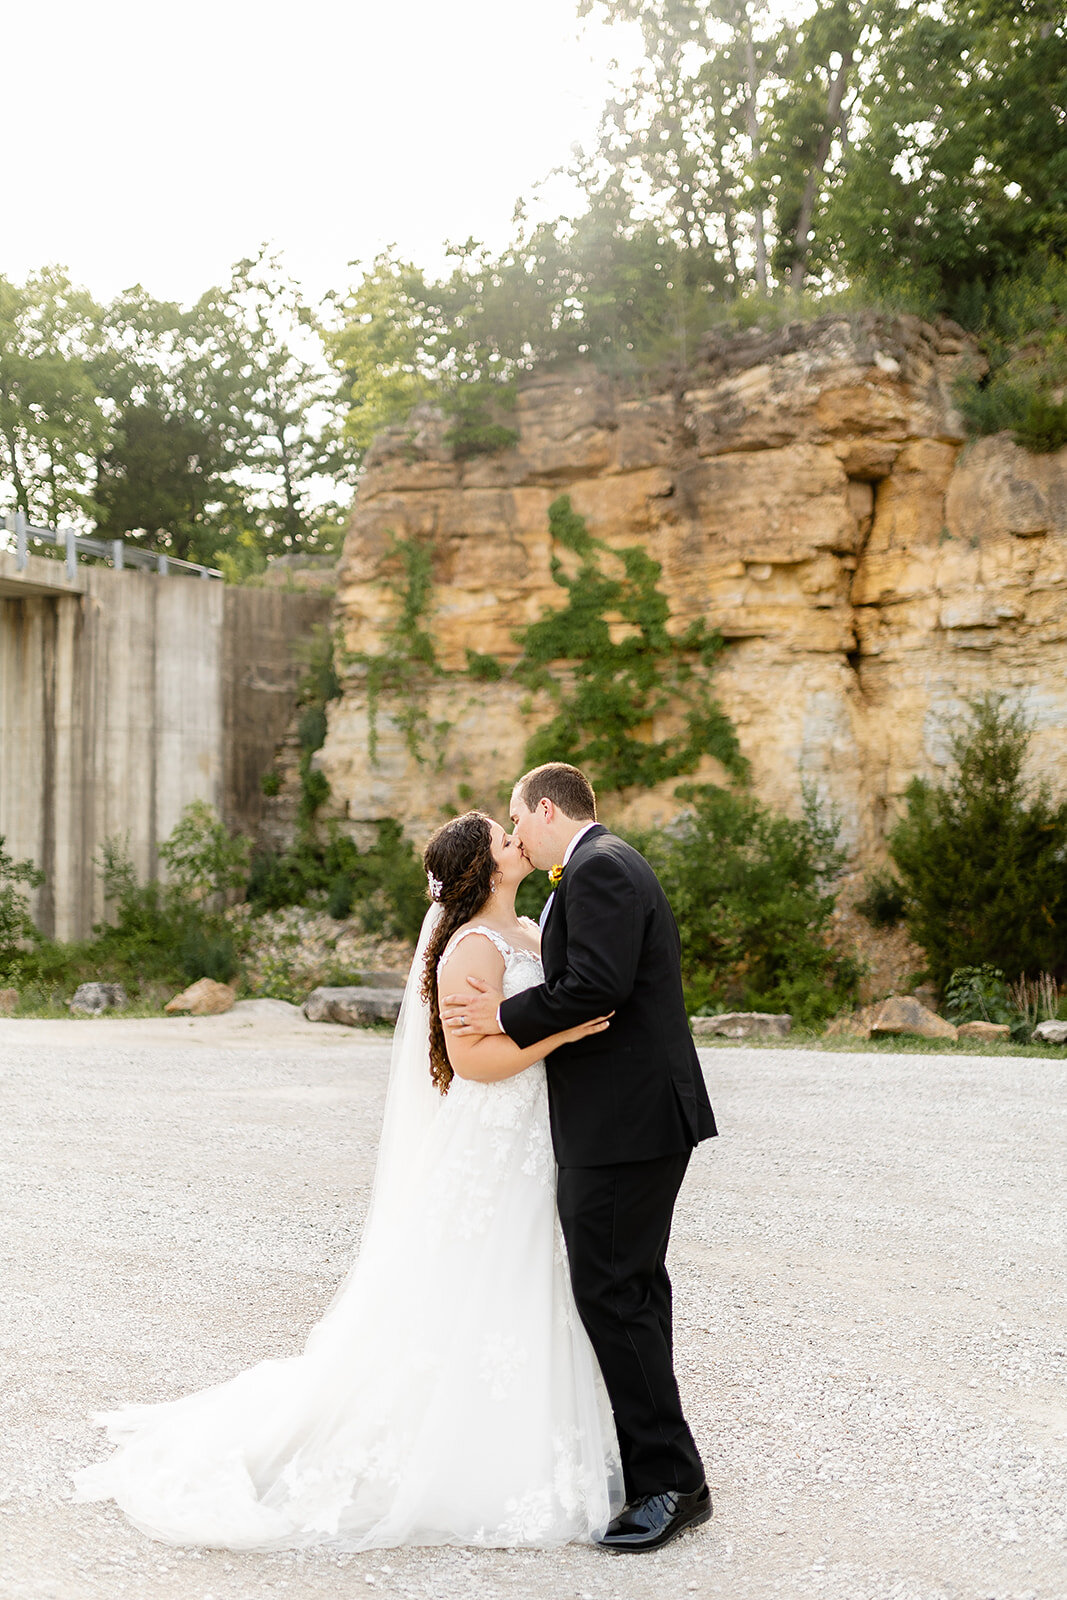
<point>554,875</point>
<point>436,886</point>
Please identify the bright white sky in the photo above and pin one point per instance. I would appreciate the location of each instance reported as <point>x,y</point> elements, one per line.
<point>160,143</point>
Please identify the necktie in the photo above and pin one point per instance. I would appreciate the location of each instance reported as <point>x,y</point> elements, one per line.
<point>545,909</point>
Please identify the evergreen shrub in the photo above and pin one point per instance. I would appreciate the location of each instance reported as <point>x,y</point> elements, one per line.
<point>982,859</point>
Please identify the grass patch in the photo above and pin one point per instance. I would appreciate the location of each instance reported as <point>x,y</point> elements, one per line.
<point>803,1039</point>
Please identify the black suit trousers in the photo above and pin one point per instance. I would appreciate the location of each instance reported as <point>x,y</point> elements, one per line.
<point>616,1222</point>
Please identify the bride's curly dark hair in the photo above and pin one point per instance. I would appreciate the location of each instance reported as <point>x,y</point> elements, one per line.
<point>460,857</point>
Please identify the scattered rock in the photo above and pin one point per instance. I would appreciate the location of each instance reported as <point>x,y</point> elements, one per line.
<point>356,1007</point>
<point>204,998</point>
<point>1051,1032</point>
<point>9,999</point>
<point>905,1014</point>
<point>743,1024</point>
<point>92,998</point>
<point>984,1030</point>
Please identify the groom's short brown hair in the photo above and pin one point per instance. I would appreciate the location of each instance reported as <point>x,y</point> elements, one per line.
<point>565,786</point>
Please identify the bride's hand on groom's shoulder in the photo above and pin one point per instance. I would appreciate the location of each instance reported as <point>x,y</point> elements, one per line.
<point>473,1014</point>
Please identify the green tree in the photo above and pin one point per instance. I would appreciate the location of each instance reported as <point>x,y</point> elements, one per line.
<point>961,171</point>
<point>52,427</point>
<point>155,480</point>
<point>982,859</point>
<point>166,479</point>
<point>809,113</point>
<point>378,344</point>
<point>735,129</point>
<point>265,359</point>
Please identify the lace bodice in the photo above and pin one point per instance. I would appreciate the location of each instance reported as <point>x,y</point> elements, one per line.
<point>522,968</point>
<point>512,1113</point>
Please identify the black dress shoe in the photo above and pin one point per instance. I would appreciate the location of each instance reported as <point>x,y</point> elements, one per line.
<point>653,1519</point>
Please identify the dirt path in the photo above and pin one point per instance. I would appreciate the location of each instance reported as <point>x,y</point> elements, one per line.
<point>870,1284</point>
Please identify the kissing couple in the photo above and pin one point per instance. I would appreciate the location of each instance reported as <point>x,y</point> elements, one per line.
<point>496,1368</point>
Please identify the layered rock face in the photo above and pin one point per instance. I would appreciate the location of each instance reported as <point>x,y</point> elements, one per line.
<point>806,492</point>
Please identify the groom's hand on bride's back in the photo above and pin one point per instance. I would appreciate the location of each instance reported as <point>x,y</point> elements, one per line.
<point>475,1013</point>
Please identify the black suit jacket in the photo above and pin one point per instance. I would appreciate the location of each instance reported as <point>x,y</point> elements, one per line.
<point>611,944</point>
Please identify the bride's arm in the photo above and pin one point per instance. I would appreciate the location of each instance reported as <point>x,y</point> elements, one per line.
<point>494,1056</point>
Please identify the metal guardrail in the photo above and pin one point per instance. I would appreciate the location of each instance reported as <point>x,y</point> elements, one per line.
<point>117,551</point>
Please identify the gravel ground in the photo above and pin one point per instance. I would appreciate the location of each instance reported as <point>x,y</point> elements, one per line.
<point>870,1293</point>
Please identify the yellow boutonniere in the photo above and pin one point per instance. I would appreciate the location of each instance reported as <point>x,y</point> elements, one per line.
<point>554,875</point>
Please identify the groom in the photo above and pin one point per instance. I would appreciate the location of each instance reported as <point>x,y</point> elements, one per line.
<point>627,1107</point>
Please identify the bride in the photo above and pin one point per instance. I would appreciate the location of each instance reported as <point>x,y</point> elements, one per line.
<point>449,1395</point>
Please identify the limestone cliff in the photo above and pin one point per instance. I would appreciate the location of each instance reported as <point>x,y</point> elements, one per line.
<point>808,492</point>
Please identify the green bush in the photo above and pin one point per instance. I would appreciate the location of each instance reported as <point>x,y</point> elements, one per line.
<point>341,897</point>
<point>1021,322</point>
<point>1036,421</point>
<point>882,902</point>
<point>982,860</point>
<point>157,934</point>
<point>207,953</point>
<point>16,928</point>
<point>978,994</point>
<point>311,728</point>
<point>204,861</point>
<point>314,790</point>
<point>483,669</point>
<point>385,884</point>
<point>751,892</point>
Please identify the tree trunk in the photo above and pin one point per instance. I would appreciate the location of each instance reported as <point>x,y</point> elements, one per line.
<point>759,228</point>
<point>731,243</point>
<point>22,499</point>
<point>834,119</point>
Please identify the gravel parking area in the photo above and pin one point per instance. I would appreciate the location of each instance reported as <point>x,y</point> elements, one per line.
<point>869,1270</point>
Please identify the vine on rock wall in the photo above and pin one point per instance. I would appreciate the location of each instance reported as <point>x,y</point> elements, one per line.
<point>623,669</point>
<point>408,653</point>
<point>319,685</point>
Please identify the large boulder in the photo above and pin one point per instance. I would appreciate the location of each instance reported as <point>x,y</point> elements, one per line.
<point>357,1007</point>
<point>204,998</point>
<point>1051,1032</point>
<point>9,999</point>
<point>743,1025</point>
<point>989,1031</point>
<point>903,1014</point>
<point>93,998</point>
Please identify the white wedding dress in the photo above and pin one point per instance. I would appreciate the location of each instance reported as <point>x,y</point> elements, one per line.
<point>448,1396</point>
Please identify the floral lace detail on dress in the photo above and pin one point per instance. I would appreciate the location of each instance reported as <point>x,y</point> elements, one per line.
<point>521,1102</point>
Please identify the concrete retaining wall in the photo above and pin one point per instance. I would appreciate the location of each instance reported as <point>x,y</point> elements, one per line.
<point>123,696</point>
